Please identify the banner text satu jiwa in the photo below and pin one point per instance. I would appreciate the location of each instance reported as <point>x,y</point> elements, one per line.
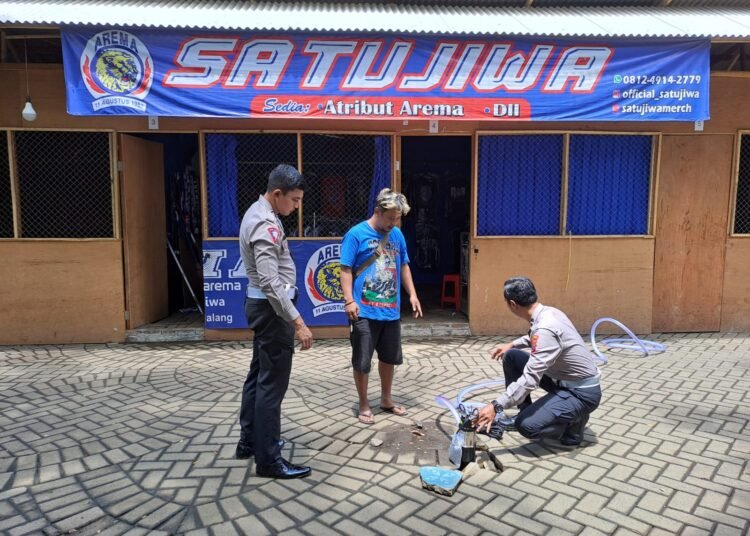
<point>134,72</point>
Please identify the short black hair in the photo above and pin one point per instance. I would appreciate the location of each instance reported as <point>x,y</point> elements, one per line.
<point>521,290</point>
<point>285,178</point>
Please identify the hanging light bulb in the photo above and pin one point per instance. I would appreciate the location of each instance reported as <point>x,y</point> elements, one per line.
<point>28,113</point>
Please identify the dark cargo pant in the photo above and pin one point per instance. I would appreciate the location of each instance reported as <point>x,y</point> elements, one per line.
<point>267,380</point>
<point>552,415</point>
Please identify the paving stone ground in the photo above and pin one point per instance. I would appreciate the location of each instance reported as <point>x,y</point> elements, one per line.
<point>138,439</point>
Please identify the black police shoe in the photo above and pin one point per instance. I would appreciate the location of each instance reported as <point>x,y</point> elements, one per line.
<point>283,469</point>
<point>574,432</point>
<point>245,451</point>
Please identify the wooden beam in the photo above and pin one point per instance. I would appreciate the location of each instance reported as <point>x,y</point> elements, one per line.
<point>33,36</point>
<point>203,183</point>
<point>15,193</point>
<point>300,210</point>
<point>564,189</point>
<point>734,61</point>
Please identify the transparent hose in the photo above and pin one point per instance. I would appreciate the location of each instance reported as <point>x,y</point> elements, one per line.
<point>633,343</point>
<point>466,406</point>
<point>475,387</point>
<point>442,401</point>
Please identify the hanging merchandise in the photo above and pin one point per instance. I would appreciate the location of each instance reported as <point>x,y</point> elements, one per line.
<point>183,233</point>
<point>424,190</point>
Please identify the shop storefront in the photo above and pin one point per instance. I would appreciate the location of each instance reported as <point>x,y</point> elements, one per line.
<point>610,170</point>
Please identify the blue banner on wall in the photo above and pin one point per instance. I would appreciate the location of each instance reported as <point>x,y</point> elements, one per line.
<point>163,73</point>
<point>320,299</point>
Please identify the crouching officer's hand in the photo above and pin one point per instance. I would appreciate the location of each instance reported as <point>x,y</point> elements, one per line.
<point>302,333</point>
<point>485,418</point>
<point>499,351</point>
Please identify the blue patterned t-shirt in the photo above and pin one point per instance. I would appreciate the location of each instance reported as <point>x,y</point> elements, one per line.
<point>377,290</point>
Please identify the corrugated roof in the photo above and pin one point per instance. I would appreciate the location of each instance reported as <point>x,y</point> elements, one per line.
<point>726,23</point>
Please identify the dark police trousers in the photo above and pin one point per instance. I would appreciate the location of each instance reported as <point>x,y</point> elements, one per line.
<point>550,416</point>
<point>267,381</point>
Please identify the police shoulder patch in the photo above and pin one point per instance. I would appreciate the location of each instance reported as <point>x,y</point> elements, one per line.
<point>275,233</point>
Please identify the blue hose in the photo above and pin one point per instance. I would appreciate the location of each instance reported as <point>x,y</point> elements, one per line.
<point>633,343</point>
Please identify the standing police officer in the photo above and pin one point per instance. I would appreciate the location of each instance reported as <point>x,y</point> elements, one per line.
<point>559,362</point>
<point>271,314</point>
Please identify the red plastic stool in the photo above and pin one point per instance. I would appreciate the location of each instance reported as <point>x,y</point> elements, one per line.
<point>455,298</point>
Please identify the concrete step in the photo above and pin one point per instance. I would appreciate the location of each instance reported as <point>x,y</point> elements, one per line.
<point>164,335</point>
<point>408,330</point>
<point>435,329</point>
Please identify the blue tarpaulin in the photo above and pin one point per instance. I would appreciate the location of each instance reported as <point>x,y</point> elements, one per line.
<point>191,74</point>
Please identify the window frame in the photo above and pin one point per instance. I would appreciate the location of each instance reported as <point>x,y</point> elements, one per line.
<point>114,181</point>
<point>656,144</point>
<point>735,184</point>
<point>300,149</point>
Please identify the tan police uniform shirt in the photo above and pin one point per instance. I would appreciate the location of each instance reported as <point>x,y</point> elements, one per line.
<point>557,350</point>
<point>266,256</point>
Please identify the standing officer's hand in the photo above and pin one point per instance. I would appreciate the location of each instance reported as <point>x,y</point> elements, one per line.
<point>302,333</point>
<point>499,351</point>
<point>415,306</point>
<point>485,418</point>
<point>352,311</point>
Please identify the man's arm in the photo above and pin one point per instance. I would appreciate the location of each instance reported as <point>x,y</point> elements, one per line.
<point>499,351</point>
<point>349,247</point>
<point>408,283</point>
<point>347,282</point>
<point>521,342</point>
<point>267,264</point>
<point>544,353</point>
<point>302,333</point>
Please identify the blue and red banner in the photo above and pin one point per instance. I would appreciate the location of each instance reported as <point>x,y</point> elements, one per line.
<point>193,74</point>
<point>320,300</point>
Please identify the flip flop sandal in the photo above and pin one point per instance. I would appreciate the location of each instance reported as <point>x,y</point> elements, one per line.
<point>365,418</point>
<point>396,410</point>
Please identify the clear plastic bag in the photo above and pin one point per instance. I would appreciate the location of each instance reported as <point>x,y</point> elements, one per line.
<point>455,449</point>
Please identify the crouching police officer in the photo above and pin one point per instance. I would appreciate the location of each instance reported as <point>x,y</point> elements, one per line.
<point>273,317</point>
<point>559,362</point>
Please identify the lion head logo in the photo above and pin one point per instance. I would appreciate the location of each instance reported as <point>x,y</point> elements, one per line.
<point>117,70</point>
<point>323,280</point>
<point>328,280</point>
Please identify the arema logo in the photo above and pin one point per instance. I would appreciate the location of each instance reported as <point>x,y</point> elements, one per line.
<point>117,69</point>
<point>323,280</point>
